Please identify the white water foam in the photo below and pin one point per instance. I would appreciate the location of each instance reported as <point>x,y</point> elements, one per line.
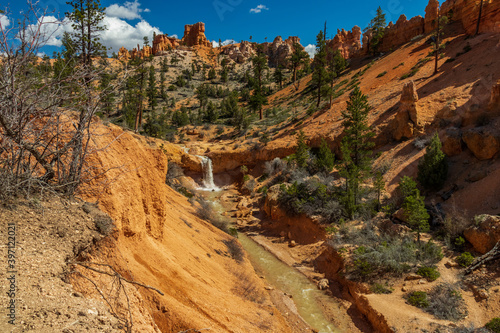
<point>208,175</point>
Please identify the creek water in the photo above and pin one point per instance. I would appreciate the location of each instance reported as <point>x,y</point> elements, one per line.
<point>279,275</point>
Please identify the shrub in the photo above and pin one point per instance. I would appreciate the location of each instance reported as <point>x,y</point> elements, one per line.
<point>430,273</point>
<point>465,259</point>
<point>378,288</point>
<point>494,325</point>
<point>275,166</point>
<point>418,299</point>
<point>446,302</point>
<point>234,249</point>
<point>433,167</point>
<point>382,74</point>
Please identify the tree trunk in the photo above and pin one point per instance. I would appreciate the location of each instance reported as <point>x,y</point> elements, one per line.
<point>437,44</point>
<point>479,17</point>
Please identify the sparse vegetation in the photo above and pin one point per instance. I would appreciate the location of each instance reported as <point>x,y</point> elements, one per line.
<point>493,325</point>
<point>381,74</point>
<point>418,299</point>
<point>465,259</point>
<point>430,273</point>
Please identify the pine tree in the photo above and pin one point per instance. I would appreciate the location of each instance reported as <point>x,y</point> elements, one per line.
<point>433,167</point>
<point>278,76</point>
<point>302,152</point>
<point>107,93</point>
<point>436,45</point>
<point>211,114</point>
<point>325,159</point>
<point>414,206</point>
<point>163,92</point>
<point>298,57</point>
<point>336,65</point>
<point>356,147</point>
<point>319,77</point>
<point>86,20</point>
<point>152,91</point>
<point>258,98</point>
<point>377,26</point>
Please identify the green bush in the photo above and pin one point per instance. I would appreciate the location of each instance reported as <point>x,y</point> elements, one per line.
<point>418,299</point>
<point>378,288</point>
<point>465,259</point>
<point>433,167</point>
<point>446,302</point>
<point>494,325</point>
<point>382,74</point>
<point>430,273</point>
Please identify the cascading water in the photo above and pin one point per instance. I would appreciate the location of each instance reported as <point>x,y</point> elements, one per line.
<point>208,175</point>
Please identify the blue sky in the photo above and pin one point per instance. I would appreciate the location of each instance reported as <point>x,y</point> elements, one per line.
<point>231,19</point>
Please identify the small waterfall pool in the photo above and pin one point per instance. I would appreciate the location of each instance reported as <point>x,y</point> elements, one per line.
<point>208,175</point>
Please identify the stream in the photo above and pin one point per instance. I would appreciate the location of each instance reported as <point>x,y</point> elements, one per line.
<point>279,275</point>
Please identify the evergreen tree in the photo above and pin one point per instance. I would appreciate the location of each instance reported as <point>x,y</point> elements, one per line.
<point>86,20</point>
<point>356,147</point>
<point>212,74</point>
<point>298,57</point>
<point>258,98</point>
<point>211,115</point>
<point>163,92</point>
<point>336,65</point>
<point>433,167</point>
<point>107,93</point>
<point>320,59</point>
<point>325,159</point>
<point>414,206</point>
<point>436,45</point>
<point>152,92</point>
<point>377,26</point>
<point>302,152</point>
<point>278,76</point>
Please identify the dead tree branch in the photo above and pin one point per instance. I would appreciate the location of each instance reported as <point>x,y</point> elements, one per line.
<point>493,254</point>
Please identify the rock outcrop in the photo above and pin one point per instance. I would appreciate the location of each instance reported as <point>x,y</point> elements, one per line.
<point>348,42</point>
<point>123,54</point>
<point>484,142</point>
<point>452,141</point>
<point>431,15</point>
<point>407,120</point>
<point>163,43</point>
<point>239,52</point>
<point>195,35</point>
<point>401,32</point>
<point>485,235</point>
<point>490,16</point>
<point>279,50</point>
<point>494,104</point>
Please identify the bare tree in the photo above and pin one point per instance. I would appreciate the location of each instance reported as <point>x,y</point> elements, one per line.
<point>45,117</point>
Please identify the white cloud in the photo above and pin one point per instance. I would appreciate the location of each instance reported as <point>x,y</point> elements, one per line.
<point>4,21</point>
<point>120,33</point>
<point>311,49</point>
<point>41,54</point>
<point>147,10</point>
<point>174,36</point>
<point>258,9</point>
<point>49,30</point>
<point>129,10</point>
<point>224,43</point>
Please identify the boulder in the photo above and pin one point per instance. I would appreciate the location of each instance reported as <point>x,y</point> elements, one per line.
<point>484,142</point>
<point>485,234</point>
<point>452,141</point>
<point>413,276</point>
<point>494,104</point>
<point>323,284</point>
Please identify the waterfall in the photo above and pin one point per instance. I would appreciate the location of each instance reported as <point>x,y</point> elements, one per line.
<point>208,175</point>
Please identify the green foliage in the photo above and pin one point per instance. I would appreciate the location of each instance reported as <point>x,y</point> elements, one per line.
<point>377,26</point>
<point>320,75</point>
<point>381,74</point>
<point>258,99</point>
<point>152,92</point>
<point>298,58</point>
<point>180,118</point>
<point>418,299</point>
<point>325,158</point>
<point>302,151</point>
<point>407,187</point>
<point>465,259</point>
<point>430,273</point>
<point>156,125</point>
<point>446,302</point>
<point>212,113</point>
<point>378,288</point>
<point>356,148</point>
<point>433,168</point>
<point>494,325</point>
<point>107,92</point>
<point>418,218</point>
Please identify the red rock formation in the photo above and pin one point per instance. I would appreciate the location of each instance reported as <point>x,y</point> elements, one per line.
<point>490,17</point>
<point>279,50</point>
<point>163,43</point>
<point>239,52</point>
<point>195,35</point>
<point>431,15</point>
<point>452,141</point>
<point>123,54</point>
<point>485,235</point>
<point>401,32</point>
<point>348,42</point>
<point>407,119</point>
<point>494,104</point>
<point>483,142</point>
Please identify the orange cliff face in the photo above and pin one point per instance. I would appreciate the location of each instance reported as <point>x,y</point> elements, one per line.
<point>195,35</point>
<point>160,242</point>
